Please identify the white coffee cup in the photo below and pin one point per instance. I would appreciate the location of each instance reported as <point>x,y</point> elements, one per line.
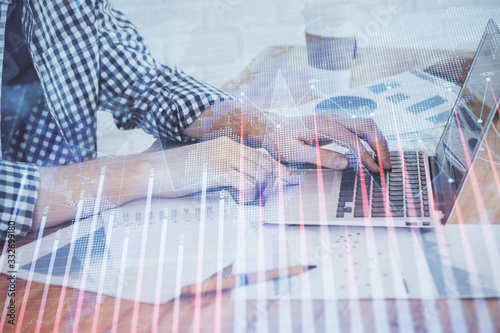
<point>331,45</point>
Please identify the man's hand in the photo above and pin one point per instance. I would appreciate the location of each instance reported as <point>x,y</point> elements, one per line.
<point>295,139</point>
<point>299,140</point>
<point>221,162</point>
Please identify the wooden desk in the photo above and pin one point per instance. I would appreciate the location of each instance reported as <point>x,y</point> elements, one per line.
<point>256,81</point>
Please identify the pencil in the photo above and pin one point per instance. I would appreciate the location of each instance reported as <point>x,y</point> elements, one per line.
<point>237,280</point>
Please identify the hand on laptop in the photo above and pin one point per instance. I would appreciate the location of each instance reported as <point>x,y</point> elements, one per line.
<point>299,140</point>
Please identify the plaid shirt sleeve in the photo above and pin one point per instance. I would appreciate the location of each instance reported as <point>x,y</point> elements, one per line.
<point>19,184</point>
<point>133,86</point>
<point>139,91</point>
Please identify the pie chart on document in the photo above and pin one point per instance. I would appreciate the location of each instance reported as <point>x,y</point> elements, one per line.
<point>347,106</point>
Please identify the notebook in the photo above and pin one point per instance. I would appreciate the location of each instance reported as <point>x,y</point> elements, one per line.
<point>144,251</point>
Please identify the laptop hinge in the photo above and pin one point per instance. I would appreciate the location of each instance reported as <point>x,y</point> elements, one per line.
<point>434,171</point>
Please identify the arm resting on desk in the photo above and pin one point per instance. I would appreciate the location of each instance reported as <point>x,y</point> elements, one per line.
<point>84,189</point>
<point>63,187</point>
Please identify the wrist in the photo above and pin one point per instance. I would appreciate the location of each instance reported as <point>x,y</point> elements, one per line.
<point>127,177</point>
<point>233,119</point>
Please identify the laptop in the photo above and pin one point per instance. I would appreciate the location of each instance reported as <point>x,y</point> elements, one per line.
<point>422,188</point>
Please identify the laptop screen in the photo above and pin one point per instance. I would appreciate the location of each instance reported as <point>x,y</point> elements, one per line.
<point>469,120</point>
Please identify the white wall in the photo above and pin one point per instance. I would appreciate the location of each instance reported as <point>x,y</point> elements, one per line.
<point>214,39</point>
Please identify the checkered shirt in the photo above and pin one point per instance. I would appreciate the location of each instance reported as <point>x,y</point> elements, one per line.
<point>88,57</point>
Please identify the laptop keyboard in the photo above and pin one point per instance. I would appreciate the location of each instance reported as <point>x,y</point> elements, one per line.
<point>399,192</point>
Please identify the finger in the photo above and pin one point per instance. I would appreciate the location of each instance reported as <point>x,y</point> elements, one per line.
<point>322,157</point>
<point>381,147</point>
<point>253,170</point>
<point>268,190</point>
<point>356,145</point>
<point>368,130</point>
<point>353,143</point>
<point>272,167</point>
<point>344,131</point>
<point>369,162</point>
<point>377,141</point>
<point>350,137</point>
<point>246,187</point>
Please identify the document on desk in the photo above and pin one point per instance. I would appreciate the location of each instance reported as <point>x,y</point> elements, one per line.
<point>141,251</point>
<point>412,105</point>
<point>374,263</point>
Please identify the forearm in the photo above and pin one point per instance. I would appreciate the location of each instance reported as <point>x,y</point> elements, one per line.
<point>100,184</point>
